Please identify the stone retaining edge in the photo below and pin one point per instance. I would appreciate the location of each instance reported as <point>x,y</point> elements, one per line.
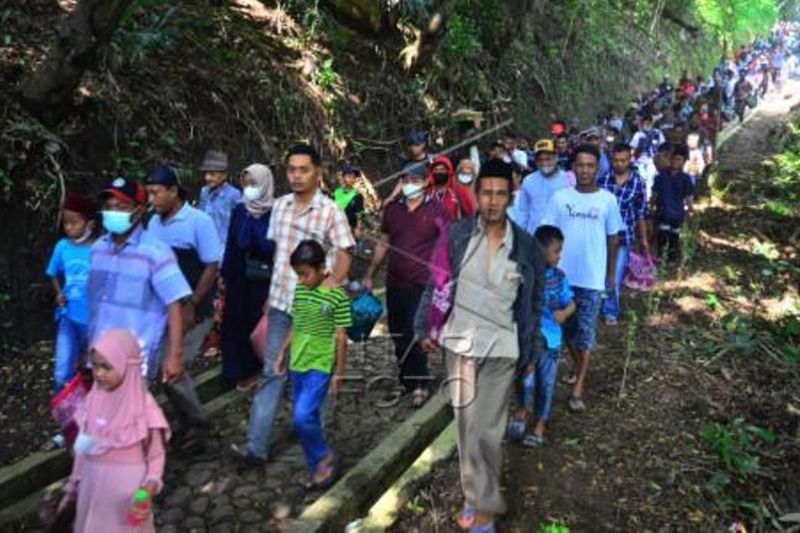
<point>347,499</point>
<point>386,510</point>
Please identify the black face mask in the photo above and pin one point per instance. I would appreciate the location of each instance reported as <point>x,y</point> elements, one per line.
<point>441,179</point>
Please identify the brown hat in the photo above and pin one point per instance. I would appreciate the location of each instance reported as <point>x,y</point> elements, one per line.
<point>215,161</point>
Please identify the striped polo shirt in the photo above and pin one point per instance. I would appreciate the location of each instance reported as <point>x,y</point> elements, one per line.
<point>316,314</point>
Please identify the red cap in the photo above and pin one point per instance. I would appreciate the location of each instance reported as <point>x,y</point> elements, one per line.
<point>126,190</point>
<point>80,204</point>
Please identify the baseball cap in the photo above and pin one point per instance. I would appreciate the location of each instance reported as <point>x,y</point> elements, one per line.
<point>544,145</point>
<point>558,128</point>
<point>594,131</point>
<point>80,204</point>
<point>414,169</point>
<point>349,168</point>
<point>126,190</point>
<point>163,175</point>
<point>417,137</point>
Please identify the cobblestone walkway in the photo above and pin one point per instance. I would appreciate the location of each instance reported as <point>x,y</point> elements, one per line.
<point>210,493</point>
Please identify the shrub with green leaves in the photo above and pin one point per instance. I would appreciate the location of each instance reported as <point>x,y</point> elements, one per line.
<point>736,447</point>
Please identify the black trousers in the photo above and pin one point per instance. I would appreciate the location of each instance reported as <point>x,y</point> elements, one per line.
<point>401,306</point>
<point>669,239</point>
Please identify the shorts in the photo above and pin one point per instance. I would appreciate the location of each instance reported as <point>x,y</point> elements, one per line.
<point>581,329</point>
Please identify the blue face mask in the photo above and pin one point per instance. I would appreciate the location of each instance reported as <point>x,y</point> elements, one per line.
<point>117,222</point>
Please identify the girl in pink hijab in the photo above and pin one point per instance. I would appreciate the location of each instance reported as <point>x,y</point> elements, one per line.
<point>120,446</point>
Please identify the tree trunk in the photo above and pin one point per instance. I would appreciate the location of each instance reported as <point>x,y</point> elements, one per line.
<point>48,91</point>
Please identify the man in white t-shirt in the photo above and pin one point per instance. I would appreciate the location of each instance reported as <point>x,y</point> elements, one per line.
<point>590,220</point>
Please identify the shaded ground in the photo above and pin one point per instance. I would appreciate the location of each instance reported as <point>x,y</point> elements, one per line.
<point>701,350</point>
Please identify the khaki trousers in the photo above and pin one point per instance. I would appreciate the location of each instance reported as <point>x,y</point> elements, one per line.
<point>479,390</point>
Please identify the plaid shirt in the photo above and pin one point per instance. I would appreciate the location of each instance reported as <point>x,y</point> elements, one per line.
<point>322,221</point>
<point>631,198</point>
<point>130,287</point>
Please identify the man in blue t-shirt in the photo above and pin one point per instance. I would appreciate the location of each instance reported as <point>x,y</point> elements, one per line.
<point>673,196</point>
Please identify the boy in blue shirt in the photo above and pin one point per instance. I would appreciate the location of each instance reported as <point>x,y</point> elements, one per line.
<point>673,196</point>
<point>539,378</point>
<point>68,270</point>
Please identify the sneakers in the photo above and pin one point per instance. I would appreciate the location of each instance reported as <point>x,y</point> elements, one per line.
<point>242,455</point>
<point>611,321</point>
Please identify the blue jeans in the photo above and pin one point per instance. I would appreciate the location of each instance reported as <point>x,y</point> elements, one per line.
<point>611,302</point>
<point>539,385</point>
<point>71,342</point>
<point>309,390</point>
<point>267,399</point>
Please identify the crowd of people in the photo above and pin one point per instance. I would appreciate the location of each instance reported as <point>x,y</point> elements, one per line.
<point>487,259</point>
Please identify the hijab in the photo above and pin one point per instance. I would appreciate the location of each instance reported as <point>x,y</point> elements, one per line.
<point>122,417</point>
<point>262,178</point>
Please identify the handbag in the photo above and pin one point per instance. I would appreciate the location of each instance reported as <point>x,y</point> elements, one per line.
<point>752,101</point>
<point>257,270</point>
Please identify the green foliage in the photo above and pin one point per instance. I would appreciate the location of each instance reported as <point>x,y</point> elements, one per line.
<point>737,22</point>
<point>325,76</point>
<point>736,447</point>
<point>461,42</point>
<point>144,28</point>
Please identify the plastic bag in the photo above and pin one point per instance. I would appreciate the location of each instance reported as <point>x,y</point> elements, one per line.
<point>641,274</point>
<point>65,403</point>
<point>367,309</point>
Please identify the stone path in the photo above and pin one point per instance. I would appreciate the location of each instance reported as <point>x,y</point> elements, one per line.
<point>211,493</point>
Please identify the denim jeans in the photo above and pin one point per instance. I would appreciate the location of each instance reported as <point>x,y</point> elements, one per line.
<point>539,385</point>
<point>71,342</point>
<point>267,399</point>
<point>309,390</point>
<point>611,302</point>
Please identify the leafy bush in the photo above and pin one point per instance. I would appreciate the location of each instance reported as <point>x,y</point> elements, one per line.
<point>461,42</point>
<point>735,445</point>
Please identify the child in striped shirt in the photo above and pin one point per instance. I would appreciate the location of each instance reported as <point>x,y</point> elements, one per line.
<point>318,352</point>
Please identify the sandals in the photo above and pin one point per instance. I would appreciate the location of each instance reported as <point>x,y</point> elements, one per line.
<point>466,520</point>
<point>248,384</point>
<point>534,440</point>
<point>419,397</point>
<point>331,469</point>
<point>576,404</point>
<point>515,429</point>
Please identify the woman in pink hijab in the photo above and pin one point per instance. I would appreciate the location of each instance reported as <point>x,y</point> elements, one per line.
<point>120,446</point>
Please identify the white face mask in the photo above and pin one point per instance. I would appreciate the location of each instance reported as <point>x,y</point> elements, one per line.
<point>465,179</point>
<point>520,158</point>
<point>85,236</point>
<point>412,190</point>
<point>547,170</point>
<point>252,193</point>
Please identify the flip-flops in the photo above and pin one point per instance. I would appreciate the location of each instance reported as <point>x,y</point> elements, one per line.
<point>576,404</point>
<point>515,429</point>
<point>466,518</point>
<point>533,440</point>
<point>333,474</point>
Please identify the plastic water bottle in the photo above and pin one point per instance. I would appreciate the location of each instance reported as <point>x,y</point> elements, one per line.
<point>141,504</point>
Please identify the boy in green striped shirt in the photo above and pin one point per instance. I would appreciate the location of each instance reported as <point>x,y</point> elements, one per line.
<point>318,342</point>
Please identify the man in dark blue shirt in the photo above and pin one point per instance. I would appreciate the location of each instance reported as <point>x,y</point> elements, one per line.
<point>673,197</point>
